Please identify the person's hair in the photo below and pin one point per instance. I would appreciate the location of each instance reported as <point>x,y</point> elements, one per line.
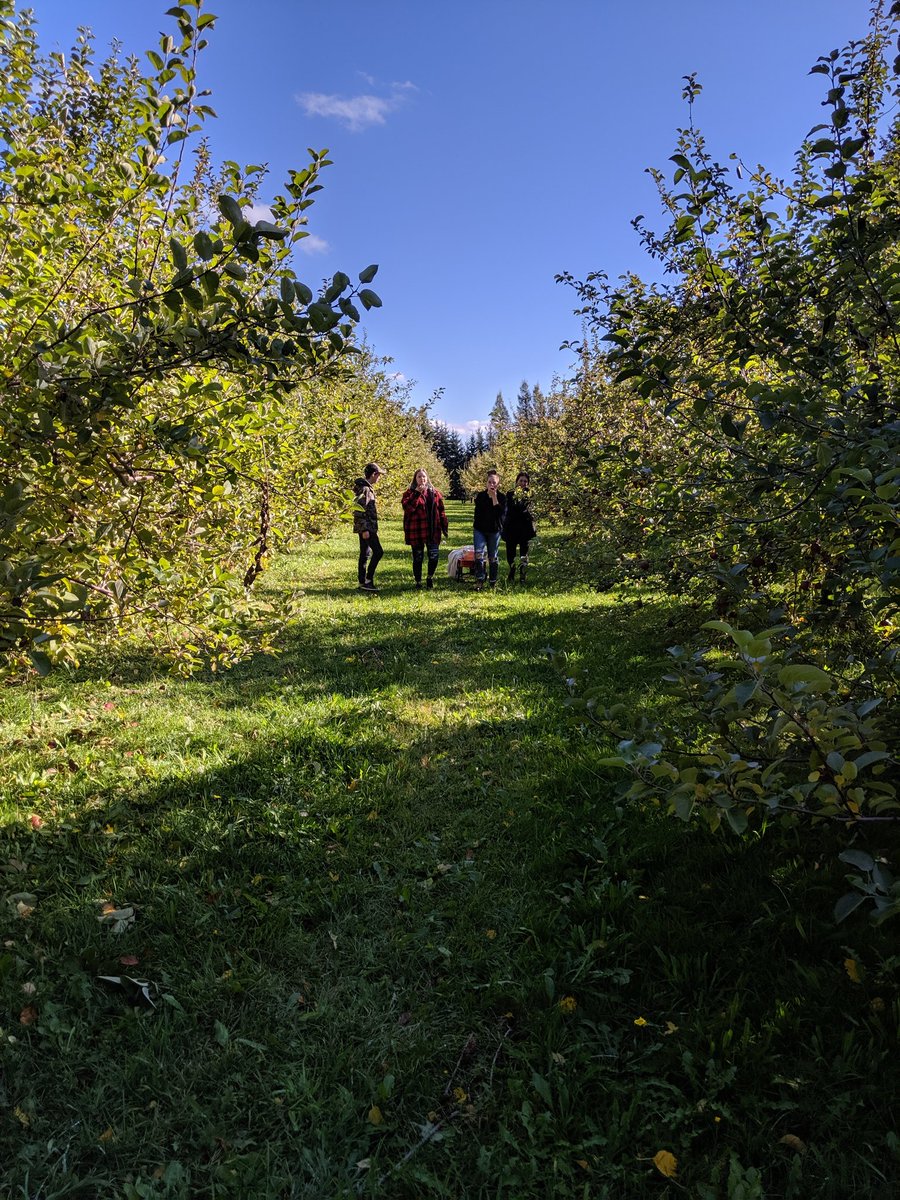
<point>494,471</point>
<point>523,475</point>
<point>371,470</point>
<point>415,473</point>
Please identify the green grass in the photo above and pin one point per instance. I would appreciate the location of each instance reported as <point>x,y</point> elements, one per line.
<point>364,874</point>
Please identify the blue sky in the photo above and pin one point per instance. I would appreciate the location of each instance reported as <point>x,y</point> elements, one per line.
<point>481,146</point>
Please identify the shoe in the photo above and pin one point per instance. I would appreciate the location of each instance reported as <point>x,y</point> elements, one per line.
<point>429,584</point>
<point>492,584</point>
<point>368,586</point>
<point>418,585</point>
<point>511,577</point>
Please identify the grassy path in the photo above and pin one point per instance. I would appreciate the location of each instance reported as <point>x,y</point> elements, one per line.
<point>400,940</point>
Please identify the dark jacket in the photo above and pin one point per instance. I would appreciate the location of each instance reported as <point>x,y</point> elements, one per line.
<point>365,512</point>
<point>519,525</point>
<point>424,518</point>
<point>489,517</point>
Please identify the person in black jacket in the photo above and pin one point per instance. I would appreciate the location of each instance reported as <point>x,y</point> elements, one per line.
<point>519,527</point>
<point>365,523</point>
<point>490,513</point>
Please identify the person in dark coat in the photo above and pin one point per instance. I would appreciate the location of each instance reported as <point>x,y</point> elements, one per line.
<point>424,524</point>
<point>490,512</point>
<point>365,523</point>
<point>519,527</point>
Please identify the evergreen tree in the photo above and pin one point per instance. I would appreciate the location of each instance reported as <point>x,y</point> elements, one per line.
<point>499,419</point>
<point>524,404</point>
<point>448,445</point>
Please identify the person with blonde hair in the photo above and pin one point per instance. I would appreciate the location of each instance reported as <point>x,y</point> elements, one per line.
<point>424,524</point>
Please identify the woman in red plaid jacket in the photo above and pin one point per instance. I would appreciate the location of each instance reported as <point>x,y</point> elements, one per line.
<point>424,524</point>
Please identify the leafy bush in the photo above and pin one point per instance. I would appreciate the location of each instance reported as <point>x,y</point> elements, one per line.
<point>761,475</point>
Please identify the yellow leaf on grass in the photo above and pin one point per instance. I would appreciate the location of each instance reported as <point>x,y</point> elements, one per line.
<point>795,1143</point>
<point>21,1116</point>
<point>852,969</point>
<point>665,1162</point>
<point>108,1134</point>
<point>375,1115</point>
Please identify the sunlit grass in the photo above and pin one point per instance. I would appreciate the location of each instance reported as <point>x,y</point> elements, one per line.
<point>364,875</point>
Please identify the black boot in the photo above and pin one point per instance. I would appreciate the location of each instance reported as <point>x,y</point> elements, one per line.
<point>511,577</point>
<point>523,569</point>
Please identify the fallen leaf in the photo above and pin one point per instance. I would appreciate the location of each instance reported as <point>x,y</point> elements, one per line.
<point>137,990</point>
<point>28,1015</point>
<point>116,920</point>
<point>375,1115</point>
<point>852,968</point>
<point>29,988</point>
<point>665,1162</point>
<point>129,960</point>
<point>352,785</point>
<point>671,1027</point>
<point>583,1163</point>
<point>108,1135</point>
<point>795,1143</point>
<point>21,1116</point>
<point>36,821</point>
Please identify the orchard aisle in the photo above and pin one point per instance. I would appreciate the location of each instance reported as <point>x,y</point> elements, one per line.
<point>326,865</point>
<point>366,919</point>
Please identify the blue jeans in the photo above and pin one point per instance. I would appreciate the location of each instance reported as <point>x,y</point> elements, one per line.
<point>487,545</point>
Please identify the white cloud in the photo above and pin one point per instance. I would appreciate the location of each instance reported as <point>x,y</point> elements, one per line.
<point>470,427</point>
<point>356,112</point>
<point>257,212</point>
<point>313,245</point>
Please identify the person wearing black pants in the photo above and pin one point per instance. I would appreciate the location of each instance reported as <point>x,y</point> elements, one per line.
<point>519,527</point>
<point>365,523</point>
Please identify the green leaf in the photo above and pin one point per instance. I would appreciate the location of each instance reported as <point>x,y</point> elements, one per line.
<point>369,299</point>
<point>870,756</point>
<point>204,246</point>
<point>857,858</point>
<point>266,229</point>
<point>848,904</point>
<point>40,662</point>
<point>737,819</point>
<point>179,255</point>
<point>368,274</point>
<point>814,677</point>
<point>231,210</point>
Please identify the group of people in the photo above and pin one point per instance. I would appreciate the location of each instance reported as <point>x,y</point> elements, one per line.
<point>498,515</point>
